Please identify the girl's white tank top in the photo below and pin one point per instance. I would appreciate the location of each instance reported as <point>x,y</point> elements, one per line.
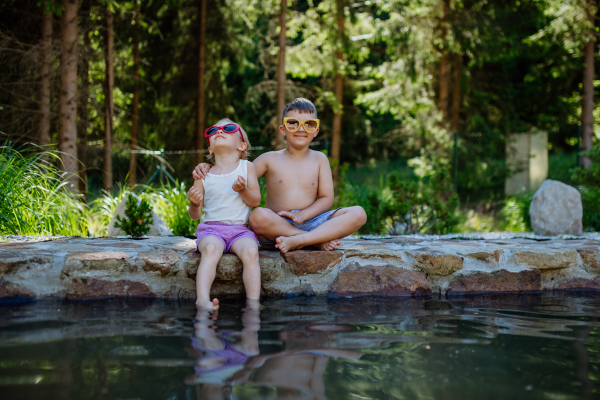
<point>221,202</point>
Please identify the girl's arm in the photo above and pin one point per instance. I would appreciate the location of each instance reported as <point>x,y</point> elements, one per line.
<point>250,191</point>
<point>196,197</point>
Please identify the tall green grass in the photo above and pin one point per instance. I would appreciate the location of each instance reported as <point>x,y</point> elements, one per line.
<point>34,199</point>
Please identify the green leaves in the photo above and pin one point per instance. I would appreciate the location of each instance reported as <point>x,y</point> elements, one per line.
<point>138,217</point>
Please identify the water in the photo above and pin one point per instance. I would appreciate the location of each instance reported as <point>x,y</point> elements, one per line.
<point>533,347</point>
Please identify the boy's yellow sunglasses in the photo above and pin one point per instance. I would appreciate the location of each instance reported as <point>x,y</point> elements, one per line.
<point>293,124</point>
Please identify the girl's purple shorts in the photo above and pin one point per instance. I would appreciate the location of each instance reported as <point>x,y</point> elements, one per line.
<point>226,232</point>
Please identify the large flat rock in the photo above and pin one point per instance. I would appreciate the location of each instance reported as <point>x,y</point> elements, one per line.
<point>165,267</point>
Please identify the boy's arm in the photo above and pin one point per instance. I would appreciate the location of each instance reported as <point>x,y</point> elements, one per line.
<point>250,191</point>
<point>260,164</point>
<point>200,171</point>
<point>325,194</point>
<point>196,197</point>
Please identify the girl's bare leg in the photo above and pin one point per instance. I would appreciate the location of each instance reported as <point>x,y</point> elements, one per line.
<point>247,250</point>
<point>211,249</point>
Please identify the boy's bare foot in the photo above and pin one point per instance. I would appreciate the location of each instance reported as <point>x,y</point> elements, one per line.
<point>328,246</point>
<point>208,305</point>
<point>252,304</point>
<point>289,243</point>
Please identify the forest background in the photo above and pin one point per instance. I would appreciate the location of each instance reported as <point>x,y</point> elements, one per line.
<point>392,82</point>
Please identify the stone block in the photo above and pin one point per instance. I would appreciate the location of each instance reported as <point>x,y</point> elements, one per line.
<point>162,262</point>
<point>13,262</point>
<point>305,262</point>
<point>386,280</point>
<point>591,260</point>
<point>556,209</point>
<point>487,256</point>
<point>580,285</point>
<point>12,290</point>
<point>527,157</point>
<point>87,288</point>
<point>438,264</point>
<point>552,259</point>
<point>496,282</point>
<point>110,262</point>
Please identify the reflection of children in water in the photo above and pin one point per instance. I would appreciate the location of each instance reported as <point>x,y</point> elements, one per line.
<point>295,374</point>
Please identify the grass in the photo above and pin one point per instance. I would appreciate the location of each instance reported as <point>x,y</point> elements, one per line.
<point>34,199</point>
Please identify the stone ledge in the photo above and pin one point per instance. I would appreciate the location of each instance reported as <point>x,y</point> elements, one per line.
<point>165,267</point>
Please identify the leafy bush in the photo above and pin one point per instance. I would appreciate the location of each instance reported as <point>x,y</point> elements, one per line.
<point>589,181</point>
<point>34,199</point>
<point>171,204</point>
<point>138,217</point>
<point>397,207</point>
<point>515,213</point>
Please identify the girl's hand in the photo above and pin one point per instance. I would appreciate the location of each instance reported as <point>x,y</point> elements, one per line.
<point>200,171</point>
<point>195,196</point>
<point>239,185</point>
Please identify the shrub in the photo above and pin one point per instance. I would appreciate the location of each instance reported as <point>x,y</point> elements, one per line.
<point>171,204</point>
<point>589,186</point>
<point>515,213</point>
<point>397,207</point>
<point>138,217</point>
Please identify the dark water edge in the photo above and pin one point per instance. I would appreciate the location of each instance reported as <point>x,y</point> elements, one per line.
<point>492,347</point>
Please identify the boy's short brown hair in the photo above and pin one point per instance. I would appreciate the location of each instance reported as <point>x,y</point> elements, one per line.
<point>301,105</point>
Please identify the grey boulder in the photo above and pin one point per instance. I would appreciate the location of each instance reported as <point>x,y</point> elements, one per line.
<point>556,210</point>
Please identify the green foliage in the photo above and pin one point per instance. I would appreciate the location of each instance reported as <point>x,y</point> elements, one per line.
<point>138,217</point>
<point>589,187</point>
<point>33,197</point>
<point>515,213</point>
<point>171,204</point>
<point>398,207</point>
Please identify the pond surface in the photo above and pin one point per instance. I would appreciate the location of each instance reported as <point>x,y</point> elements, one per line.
<point>515,347</point>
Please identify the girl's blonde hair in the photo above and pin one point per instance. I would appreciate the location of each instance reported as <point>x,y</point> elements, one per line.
<point>244,155</point>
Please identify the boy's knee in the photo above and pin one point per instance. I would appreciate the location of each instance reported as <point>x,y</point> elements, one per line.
<point>359,214</point>
<point>259,217</point>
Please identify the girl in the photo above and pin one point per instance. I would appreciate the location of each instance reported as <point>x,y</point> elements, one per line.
<point>227,194</point>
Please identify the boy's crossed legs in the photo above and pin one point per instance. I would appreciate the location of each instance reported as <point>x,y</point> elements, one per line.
<point>343,222</point>
<point>211,249</point>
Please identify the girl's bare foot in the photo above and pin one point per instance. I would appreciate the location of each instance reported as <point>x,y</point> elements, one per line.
<point>208,305</point>
<point>328,246</point>
<point>287,243</point>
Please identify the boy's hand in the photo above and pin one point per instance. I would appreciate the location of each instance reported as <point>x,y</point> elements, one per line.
<point>200,171</point>
<point>297,217</point>
<point>195,196</point>
<point>239,185</point>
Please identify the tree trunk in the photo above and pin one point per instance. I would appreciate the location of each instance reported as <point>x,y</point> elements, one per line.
<point>456,92</point>
<point>136,96</point>
<point>67,122</point>
<point>336,132</point>
<point>43,133</point>
<point>279,138</point>
<point>108,103</point>
<point>587,105</point>
<point>444,78</point>
<point>201,68</point>
<point>84,98</point>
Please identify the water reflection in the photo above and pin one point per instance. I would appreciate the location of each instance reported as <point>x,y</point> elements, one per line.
<point>538,347</point>
<point>225,358</point>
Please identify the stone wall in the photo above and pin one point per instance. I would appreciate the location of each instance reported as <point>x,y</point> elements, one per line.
<point>165,267</point>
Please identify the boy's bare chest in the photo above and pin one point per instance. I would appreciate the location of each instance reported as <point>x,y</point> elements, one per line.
<point>304,176</point>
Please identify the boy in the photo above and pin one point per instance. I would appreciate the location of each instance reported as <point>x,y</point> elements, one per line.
<point>299,190</point>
